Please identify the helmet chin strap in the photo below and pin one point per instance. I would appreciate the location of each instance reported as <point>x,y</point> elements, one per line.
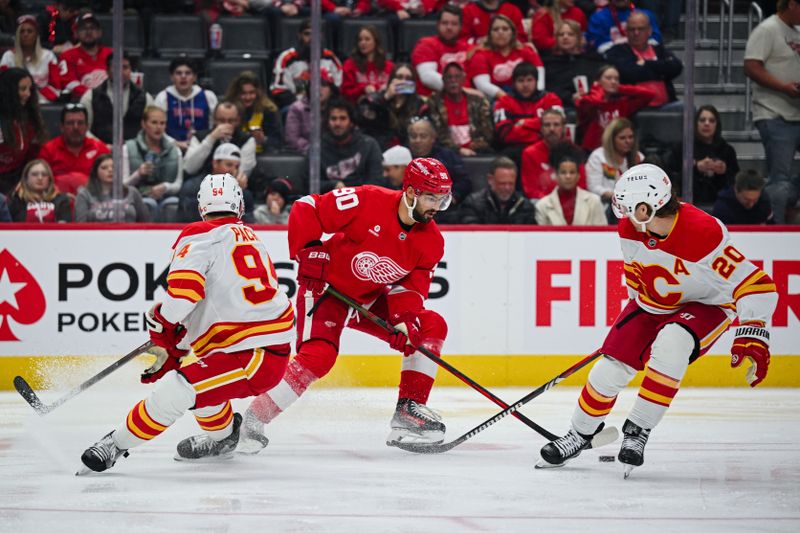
<point>410,207</point>
<point>641,224</point>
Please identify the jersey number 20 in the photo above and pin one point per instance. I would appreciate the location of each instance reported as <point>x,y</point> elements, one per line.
<point>249,265</point>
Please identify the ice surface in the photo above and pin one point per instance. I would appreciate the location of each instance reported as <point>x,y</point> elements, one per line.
<point>722,460</point>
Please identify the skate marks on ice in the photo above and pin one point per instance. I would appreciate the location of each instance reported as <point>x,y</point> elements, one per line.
<point>327,469</point>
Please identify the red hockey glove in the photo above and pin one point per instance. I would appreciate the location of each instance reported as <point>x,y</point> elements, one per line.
<point>752,342</point>
<point>166,336</point>
<point>312,272</point>
<point>163,332</point>
<point>406,338</point>
<point>166,360</point>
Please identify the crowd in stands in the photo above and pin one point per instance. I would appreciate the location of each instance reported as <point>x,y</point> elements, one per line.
<point>546,88</point>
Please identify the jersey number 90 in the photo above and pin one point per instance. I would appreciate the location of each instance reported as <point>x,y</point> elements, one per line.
<point>345,198</point>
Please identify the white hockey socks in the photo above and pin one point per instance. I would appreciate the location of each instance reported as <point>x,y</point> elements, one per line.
<point>669,360</point>
<point>149,418</point>
<point>607,377</point>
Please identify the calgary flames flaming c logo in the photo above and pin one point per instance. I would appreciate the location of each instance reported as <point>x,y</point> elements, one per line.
<point>645,279</point>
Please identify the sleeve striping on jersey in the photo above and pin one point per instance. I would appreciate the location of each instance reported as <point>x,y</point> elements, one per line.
<point>186,284</point>
<point>756,283</point>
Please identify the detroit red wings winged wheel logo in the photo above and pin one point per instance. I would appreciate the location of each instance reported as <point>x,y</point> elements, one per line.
<point>368,266</point>
<point>21,297</point>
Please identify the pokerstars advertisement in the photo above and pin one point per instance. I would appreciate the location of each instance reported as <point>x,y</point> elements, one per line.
<point>85,291</point>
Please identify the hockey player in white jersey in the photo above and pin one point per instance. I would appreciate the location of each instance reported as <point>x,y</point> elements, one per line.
<point>687,283</point>
<point>223,302</point>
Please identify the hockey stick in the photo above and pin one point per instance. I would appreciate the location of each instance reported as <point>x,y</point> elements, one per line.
<point>30,396</point>
<point>372,317</point>
<point>606,436</point>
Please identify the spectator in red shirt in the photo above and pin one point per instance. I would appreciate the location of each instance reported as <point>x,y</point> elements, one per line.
<point>492,64</point>
<point>538,176</point>
<point>517,115</point>
<point>366,71</point>
<point>649,66</point>
<point>21,127</point>
<point>607,100</point>
<point>405,9</point>
<point>40,62</point>
<point>462,120</point>
<point>477,17</point>
<point>432,54</point>
<point>72,153</point>
<point>36,199</point>
<point>547,21</point>
<point>84,66</point>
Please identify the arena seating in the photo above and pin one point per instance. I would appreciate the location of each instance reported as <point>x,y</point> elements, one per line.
<point>178,35</point>
<point>245,37</point>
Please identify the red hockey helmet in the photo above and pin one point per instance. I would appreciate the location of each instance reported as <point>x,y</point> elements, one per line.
<point>426,174</point>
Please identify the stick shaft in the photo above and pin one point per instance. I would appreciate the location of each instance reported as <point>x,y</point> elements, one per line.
<point>439,448</point>
<point>41,408</point>
<point>372,317</point>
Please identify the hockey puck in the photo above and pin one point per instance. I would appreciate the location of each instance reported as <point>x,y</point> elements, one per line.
<point>606,458</point>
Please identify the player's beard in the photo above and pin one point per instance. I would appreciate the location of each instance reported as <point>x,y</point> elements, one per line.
<point>423,217</point>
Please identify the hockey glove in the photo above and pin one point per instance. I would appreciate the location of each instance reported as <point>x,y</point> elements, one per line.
<point>406,336</point>
<point>312,271</point>
<point>752,342</point>
<point>166,360</point>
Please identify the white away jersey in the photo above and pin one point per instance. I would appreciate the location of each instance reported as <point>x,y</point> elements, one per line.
<point>223,288</point>
<point>696,262</point>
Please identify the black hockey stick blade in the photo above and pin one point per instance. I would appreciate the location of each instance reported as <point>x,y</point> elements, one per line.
<point>372,317</point>
<point>441,448</point>
<point>27,392</point>
<point>29,395</point>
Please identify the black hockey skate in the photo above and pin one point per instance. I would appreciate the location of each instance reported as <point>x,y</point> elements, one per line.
<point>560,451</point>
<point>415,423</point>
<point>631,454</point>
<point>101,456</point>
<point>204,447</point>
<point>252,439</point>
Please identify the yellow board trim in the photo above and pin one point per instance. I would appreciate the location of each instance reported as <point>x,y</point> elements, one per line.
<point>384,371</point>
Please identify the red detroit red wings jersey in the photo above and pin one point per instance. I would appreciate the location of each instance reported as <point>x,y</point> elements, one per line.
<point>369,248</point>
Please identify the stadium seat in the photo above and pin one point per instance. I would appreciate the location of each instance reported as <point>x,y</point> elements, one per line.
<point>223,71</point>
<point>51,114</point>
<point>411,31</point>
<point>245,35</point>
<point>175,35</point>
<point>156,75</point>
<point>348,34</point>
<point>287,34</point>
<point>291,166</point>
<point>477,168</point>
<point>133,38</point>
<point>659,130</point>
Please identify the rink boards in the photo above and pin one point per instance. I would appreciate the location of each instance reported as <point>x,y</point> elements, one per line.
<point>521,303</point>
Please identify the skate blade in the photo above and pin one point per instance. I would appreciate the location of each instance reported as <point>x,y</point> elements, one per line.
<point>403,436</point>
<point>626,472</point>
<point>542,464</point>
<point>212,459</point>
<point>251,446</point>
<point>84,470</point>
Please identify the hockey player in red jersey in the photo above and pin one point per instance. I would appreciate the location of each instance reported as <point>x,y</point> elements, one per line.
<point>223,301</point>
<point>384,249</point>
<point>687,283</point>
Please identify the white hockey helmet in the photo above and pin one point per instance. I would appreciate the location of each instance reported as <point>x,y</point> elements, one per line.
<point>645,183</point>
<point>220,193</point>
